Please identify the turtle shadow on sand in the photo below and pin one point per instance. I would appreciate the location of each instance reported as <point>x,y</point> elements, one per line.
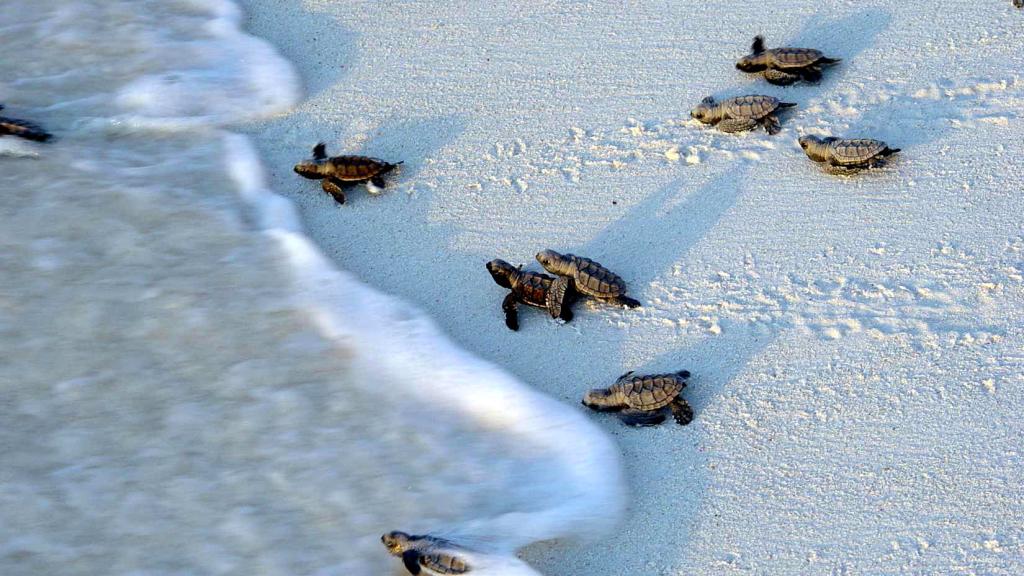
<point>666,463</point>
<point>844,37</point>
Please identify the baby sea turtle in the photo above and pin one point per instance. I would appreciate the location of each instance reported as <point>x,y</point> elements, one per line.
<point>844,153</point>
<point>588,277</point>
<point>22,129</point>
<point>784,66</point>
<point>741,113</point>
<point>642,400</point>
<point>1018,3</point>
<point>338,172</point>
<point>532,289</point>
<point>426,554</point>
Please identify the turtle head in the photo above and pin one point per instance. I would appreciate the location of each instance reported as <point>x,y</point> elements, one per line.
<point>315,168</point>
<point>599,399</point>
<point>550,260</point>
<point>502,272</point>
<point>814,147</point>
<point>704,110</point>
<point>395,542</point>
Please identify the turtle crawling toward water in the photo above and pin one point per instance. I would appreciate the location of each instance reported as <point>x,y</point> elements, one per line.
<point>587,277</point>
<point>338,172</point>
<point>642,400</point>
<point>426,554</point>
<point>741,113</point>
<point>784,66</point>
<point>533,289</point>
<point>22,129</point>
<point>846,154</point>
<point>1018,3</point>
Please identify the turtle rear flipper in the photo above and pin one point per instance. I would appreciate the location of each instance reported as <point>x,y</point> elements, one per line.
<point>829,61</point>
<point>23,129</point>
<point>627,302</point>
<point>771,124</point>
<point>557,297</point>
<point>890,151</point>
<point>811,74</point>
<point>511,309</point>
<point>375,185</point>
<point>632,417</point>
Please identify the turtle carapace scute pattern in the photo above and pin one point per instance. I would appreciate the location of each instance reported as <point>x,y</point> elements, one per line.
<point>846,153</point>
<point>588,277</point>
<point>533,289</point>
<point>742,113</point>
<point>784,66</point>
<point>424,554</point>
<point>22,129</point>
<point>339,172</point>
<point>643,400</point>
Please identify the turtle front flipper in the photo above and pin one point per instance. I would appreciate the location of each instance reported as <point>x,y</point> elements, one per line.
<point>334,187</point>
<point>780,77</point>
<point>627,302</point>
<point>511,308</point>
<point>411,560</point>
<point>443,563</point>
<point>681,411</point>
<point>319,151</point>
<point>632,417</point>
<point>558,299</point>
<point>771,124</point>
<point>23,129</point>
<point>731,125</point>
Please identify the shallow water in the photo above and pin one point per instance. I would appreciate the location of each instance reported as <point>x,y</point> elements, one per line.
<point>190,388</point>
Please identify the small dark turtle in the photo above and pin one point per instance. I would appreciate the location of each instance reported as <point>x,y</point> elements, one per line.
<point>426,554</point>
<point>22,129</point>
<point>641,400</point>
<point>741,113</point>
<point>846,154</point>
<point>588,277</point>
<point>784,66</point>
<point>533,289</point>
<point>1018,3</point>
<point>338,172</point>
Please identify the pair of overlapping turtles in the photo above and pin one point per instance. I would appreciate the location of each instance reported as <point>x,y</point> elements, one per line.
<point>782,67</point>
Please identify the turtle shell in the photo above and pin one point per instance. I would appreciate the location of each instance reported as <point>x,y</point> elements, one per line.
<point>358,168</point>
<point>754,107</point>
<point>532,288</point>
<point>856,151</point>
<point>794,58</point>
<point>595,280</point>
<point>651,392</point>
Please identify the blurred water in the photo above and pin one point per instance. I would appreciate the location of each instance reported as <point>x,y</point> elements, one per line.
<point>186,385</point>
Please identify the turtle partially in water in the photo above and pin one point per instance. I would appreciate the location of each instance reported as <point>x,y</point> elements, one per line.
<point>784,66</point>
<point>588,277</point>
<point>846,154</point>
<point>642,400</point>
<point>338,172</point>
<point>533,289</point>
<point>741,113</point>
<point>22,129</point>
<point>426,554</point>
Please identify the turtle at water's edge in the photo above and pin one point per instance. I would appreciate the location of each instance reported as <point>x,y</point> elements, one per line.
<point>846,154</point>
<point>22,129</point>
<point>588,277</point>
<point>338,172</point>
<point>742,113</point>
<point>426,554</point>
<point>533,289</point>
<point>642,400</point>
<point>784,66</point>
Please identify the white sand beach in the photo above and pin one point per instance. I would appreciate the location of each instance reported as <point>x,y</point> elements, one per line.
<point>855,341</point>
<point>198,376</point>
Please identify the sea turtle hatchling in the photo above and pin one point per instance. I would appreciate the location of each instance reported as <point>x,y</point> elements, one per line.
<point>741,113</point>
<point>533,289</point>
<point>22,129</point>
<point>426,554</point>
<point>641,400</point>
<point>588,277</point>
<point>338,172</point>
<point>846,154</point>
<point>784,66</point>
